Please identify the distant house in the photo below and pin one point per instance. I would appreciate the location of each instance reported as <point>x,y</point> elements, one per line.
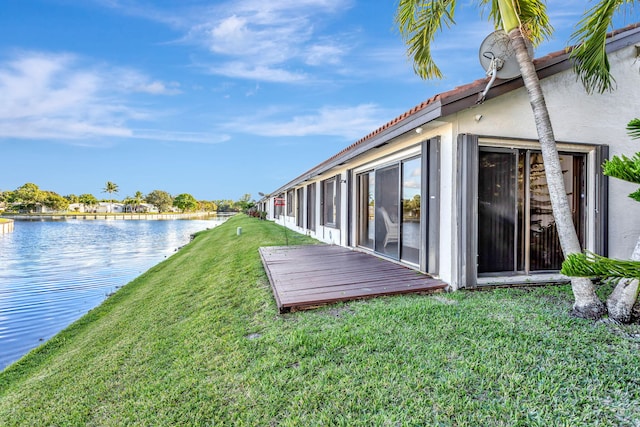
<point>104,207</point>
<point>42,209</point>
<point>79,207</point>
<point>108,207</point>
<point>147,208</point>
<point>457,190</point>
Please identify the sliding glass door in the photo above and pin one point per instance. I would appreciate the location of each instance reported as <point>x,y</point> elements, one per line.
<point>311,207</point>
<point>387,198</point>
<point>389,210</point>
<point>498,220</point>
<point>516,228</point>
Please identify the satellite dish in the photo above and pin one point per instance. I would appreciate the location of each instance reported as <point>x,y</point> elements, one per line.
<point>497,47</point>
<point>498,58</point>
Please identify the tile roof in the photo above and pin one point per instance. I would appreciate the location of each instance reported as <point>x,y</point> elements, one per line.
<point>478,85</point>
<point>467,92</point>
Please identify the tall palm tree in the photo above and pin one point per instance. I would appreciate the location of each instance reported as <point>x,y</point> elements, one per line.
<point>110,188</point>
<point>420,20</point>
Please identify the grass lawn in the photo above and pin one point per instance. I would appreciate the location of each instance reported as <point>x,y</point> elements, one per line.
<point>197,340</point>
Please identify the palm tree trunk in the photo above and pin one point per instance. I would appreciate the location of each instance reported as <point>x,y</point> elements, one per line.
<point>586,302</point>
<point>621,301</point>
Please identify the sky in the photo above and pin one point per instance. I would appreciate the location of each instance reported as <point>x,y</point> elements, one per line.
<point>213,98</point>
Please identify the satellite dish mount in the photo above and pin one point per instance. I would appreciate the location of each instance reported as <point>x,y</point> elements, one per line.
<point>498,58</point>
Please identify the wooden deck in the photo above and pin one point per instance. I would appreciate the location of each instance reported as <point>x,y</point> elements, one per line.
<point>307,276</point>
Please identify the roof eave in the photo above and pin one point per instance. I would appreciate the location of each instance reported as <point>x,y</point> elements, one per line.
<point>454,101</point>
<point>380,138</point>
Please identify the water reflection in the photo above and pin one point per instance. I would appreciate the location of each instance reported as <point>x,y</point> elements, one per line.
<point>51,273</point>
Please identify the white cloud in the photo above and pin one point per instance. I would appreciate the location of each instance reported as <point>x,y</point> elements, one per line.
<point>57,96</point>
<point>349,123</point>
<point>259,40</point>
<point>283,41</point>
<point>53,128</point>
<point>128,81</point>
<point>159,88</point>
<point>175,136</point>
<point>323,54</point>
<point>253,91</point>
<point>263,73</point>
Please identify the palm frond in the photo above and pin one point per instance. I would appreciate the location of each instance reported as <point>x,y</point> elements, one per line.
<point>623,167</point>
<point>533,17</point>
<point>591,64</point>
<point>589,264</point>
<point>418,22</point>
<point>534,20</point>
<point>633,128</point>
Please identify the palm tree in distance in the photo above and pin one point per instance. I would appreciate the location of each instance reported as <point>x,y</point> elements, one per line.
<point>137,199</point>
<point>110,188</point>
<point>526,21</point>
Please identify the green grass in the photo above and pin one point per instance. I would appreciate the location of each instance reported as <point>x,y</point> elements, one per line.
<point>197,340</point>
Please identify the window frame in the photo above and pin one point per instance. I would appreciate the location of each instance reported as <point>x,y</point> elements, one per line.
<point>290,203</point>
<point>331,209</point>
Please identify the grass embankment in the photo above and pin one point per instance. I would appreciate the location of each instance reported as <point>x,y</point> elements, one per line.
<point>197,341</point>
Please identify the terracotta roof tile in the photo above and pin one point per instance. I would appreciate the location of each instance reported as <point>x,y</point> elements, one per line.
<point>459,90</point>
<point>457,93</point>
<point>477,84</point>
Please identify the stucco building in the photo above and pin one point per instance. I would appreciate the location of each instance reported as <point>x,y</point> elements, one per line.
<point>456,189</point>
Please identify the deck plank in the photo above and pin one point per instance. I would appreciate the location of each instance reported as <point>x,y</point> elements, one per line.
<point>308,276</point>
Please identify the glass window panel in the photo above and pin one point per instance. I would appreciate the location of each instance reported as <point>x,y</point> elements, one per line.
<point>311,206</point>
<point>545,250</point>
<point>329,195</point>
<point>290,202</point>
<point>366,205</point>
<point>411,191</point>
<point>299,205</point>
<point>387,229</point>
<point>371,208</point>
<point>497,188</point>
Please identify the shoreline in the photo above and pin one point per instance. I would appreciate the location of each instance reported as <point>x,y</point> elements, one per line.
<point>197,340</point>
<point>111,216</point>
<point>96,285</point>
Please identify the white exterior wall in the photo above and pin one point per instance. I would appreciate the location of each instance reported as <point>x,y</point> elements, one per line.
<point>448,209</point>
<point>579,118</point>
<point>581,121</point>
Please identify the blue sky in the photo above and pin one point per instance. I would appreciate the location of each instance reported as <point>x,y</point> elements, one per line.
<point>213,98</point>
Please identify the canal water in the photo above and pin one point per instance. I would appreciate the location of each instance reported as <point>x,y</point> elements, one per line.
<point>53,272</point>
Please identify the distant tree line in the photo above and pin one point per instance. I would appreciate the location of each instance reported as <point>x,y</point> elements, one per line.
<point>29,198</point>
